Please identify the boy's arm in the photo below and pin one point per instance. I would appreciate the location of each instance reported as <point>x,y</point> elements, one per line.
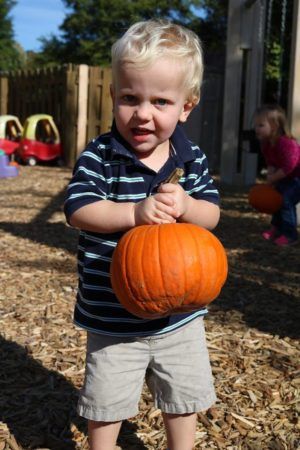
<point>201,212</point>
<point>105,216</point>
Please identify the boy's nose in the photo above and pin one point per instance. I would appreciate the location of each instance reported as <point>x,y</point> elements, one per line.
<point>143,112</point>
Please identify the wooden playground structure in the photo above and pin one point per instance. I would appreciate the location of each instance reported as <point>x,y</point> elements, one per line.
<point>247,32</point>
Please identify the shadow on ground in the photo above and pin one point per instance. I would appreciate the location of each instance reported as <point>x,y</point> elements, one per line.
<point>47,417</point>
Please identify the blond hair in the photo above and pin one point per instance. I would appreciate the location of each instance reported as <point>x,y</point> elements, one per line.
<point>145,42</point>
<point>276,117</point>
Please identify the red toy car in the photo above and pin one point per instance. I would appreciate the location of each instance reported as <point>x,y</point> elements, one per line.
<point>40,141</point>
<point>10,133</point>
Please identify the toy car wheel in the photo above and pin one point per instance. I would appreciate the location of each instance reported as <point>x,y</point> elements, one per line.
<point>31,161</point>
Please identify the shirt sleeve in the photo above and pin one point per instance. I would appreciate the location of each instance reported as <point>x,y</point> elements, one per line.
<point>88,183</point>
<point>199,183</point>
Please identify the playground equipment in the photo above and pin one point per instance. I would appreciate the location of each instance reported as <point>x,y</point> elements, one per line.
<point>7,169</point>
<point>40,141</point>
<point>248,42</point>
<point>10,133</point>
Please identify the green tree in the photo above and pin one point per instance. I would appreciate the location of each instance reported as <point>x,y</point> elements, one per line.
<point>211,27</point>
<point>277,51</point>
<point>91,26</point>
<point>10,53</point>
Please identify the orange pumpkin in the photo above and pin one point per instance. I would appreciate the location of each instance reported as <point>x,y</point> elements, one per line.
<point>265,198</point>
<point>158,270</point>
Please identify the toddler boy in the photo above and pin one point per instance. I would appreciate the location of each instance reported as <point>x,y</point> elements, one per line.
<point>117,184</point>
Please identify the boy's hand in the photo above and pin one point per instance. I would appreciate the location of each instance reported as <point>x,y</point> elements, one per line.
<point>157,209</point>
<point>177,194</point>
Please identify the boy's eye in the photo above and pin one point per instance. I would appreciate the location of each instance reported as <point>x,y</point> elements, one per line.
<point>161,102</point>
<point>128,98</point>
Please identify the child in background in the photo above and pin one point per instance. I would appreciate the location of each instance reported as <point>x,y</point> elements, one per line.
<point>117,184</point>
<point>282,156</point>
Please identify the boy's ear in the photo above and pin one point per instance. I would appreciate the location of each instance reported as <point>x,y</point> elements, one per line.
<point>187,109</point>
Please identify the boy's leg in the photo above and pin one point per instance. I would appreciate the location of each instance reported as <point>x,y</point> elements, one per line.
<point>180,380</point>
<point>114,375</point>
<point>103,435</point>
<point>181,430</point>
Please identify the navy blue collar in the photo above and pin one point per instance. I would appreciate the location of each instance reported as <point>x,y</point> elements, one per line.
<point>180,143</point>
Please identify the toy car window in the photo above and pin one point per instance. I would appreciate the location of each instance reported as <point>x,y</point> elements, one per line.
<point>11,131</point>
<point>45,132</point>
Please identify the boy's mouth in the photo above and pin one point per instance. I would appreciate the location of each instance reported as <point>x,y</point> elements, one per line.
<point>141,131</point>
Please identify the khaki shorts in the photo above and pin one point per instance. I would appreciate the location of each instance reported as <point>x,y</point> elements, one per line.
<point>175,366</point>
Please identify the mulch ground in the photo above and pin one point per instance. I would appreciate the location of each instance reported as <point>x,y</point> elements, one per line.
<point>253,331</point>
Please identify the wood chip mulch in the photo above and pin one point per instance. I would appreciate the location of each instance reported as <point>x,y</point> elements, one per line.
<point>253,331</point>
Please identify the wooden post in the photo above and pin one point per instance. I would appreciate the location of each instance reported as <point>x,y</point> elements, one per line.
<point>99,105</point>
<point>106,103</point>
<point>83,82</point>
<point>294,85</point>
<point>3,95</point>
<point>294,82</point>
<point>70,115</point>
<point>242,90</point>
<point>232,94</point>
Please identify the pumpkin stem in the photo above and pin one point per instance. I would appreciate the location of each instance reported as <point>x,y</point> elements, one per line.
<point>175,176</point>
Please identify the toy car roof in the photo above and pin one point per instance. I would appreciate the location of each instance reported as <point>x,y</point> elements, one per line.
<point>39,117</point>
<point>3,121</point>
<point>31,124</point>
<point>6,117</point>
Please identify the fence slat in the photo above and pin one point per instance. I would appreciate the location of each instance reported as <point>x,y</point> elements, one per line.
<point>3,95</point>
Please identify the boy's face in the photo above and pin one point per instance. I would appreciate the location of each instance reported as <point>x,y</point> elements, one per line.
<point>148,103</point>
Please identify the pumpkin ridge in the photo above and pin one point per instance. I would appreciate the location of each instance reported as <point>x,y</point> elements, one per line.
<point>124,264</point>
<point>159,240</point>
<point>211,256</point>
<point>221,265</point>
<point>199,245</point>
<point>141,303</point>
<point>212,284</point>
<point>144,268</point>
<point>178,232</point>
<point>171,299</point>
<point>224,268</point>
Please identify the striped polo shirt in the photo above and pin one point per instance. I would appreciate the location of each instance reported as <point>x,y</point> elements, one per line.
<point>108,170</point>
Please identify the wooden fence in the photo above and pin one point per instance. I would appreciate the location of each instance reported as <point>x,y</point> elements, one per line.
<point>204,125</point>
<point>77,97</point>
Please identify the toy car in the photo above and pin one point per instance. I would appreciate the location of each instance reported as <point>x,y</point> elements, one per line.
<point>10,133</point>
<point>40,141</point>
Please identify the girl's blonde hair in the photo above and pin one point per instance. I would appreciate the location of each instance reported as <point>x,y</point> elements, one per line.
<point>276,117</point>
<point>145,42</point>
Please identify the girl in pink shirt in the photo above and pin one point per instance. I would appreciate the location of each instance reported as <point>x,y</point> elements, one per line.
<point>282,156</point>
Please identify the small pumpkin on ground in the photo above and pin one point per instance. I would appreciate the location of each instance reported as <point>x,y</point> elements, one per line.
<point>265,198</point>
<point>158,270</point>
